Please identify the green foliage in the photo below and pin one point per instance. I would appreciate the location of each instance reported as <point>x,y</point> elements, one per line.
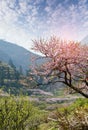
<point>19,114</point>
<point>74,117</point>
<point>78,104</point>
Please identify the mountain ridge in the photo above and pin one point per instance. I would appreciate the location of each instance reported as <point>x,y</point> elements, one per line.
<point>19,55</point>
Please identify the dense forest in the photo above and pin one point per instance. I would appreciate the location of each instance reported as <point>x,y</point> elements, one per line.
<point>11,78</point>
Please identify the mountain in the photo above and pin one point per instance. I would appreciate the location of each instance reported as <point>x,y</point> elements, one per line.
<point>85,40</point>
<point>19,55</point>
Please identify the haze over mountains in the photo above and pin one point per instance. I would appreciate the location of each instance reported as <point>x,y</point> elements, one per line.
<point>19,55</point>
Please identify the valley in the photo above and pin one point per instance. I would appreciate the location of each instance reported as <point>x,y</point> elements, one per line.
<point>36,106</point>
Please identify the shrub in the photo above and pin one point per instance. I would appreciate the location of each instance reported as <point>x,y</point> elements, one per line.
<point>74,117</point>
<point>19,114</point>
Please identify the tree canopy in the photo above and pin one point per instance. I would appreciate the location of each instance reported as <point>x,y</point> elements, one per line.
<point>67,63</point>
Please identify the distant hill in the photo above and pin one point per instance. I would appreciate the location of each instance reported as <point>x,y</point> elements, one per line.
<point>85,40</point>
<point>19,55</point>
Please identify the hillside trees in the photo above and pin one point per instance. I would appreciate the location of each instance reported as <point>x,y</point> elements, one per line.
<point>66,62</point>
<point>7,72</point>
<point>16,72</point>
<point>9,78</point>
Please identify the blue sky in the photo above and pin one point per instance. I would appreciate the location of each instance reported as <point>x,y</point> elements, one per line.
<point>21,21</point>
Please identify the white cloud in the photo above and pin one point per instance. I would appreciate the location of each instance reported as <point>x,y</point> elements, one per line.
<point>15,34</point>
<point>69,20</point>
<point>11,27</point>
<point>29,19</point>
<point>51,2</point>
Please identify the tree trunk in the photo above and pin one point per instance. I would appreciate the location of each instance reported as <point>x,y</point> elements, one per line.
<point>78,91</point>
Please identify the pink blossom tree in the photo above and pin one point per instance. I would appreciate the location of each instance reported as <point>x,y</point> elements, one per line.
<point>67,62</point>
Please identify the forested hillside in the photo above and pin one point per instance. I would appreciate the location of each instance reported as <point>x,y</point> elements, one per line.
<point>14,81</point>
<point>9,77</point>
